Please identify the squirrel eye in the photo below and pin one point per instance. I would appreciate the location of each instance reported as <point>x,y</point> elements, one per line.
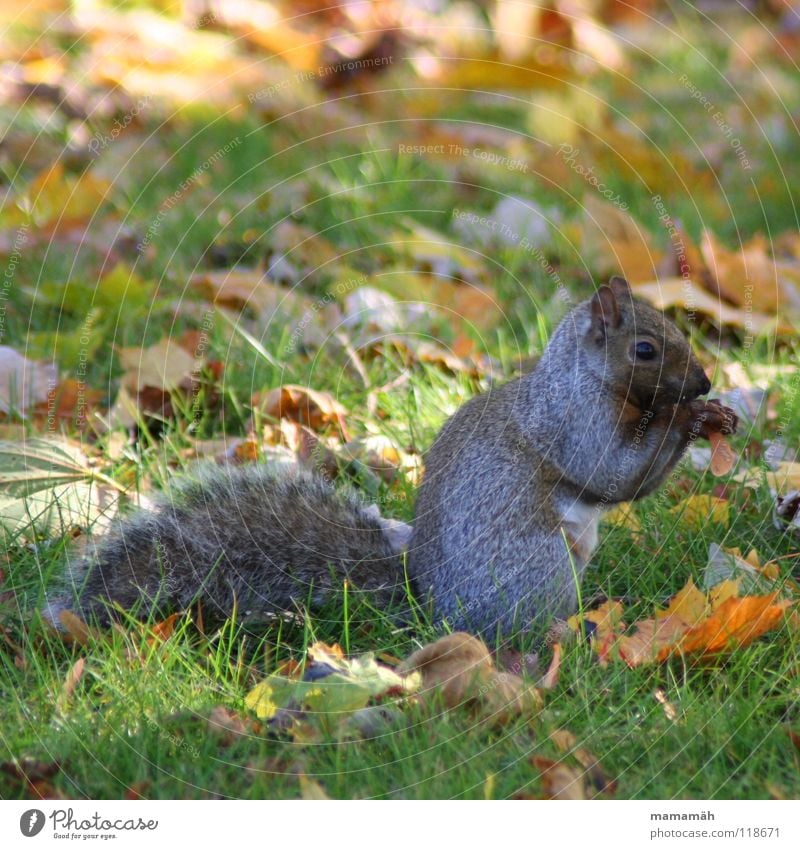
<point>644,350</point>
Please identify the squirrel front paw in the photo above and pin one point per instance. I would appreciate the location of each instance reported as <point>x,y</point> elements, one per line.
<point>711,416</point>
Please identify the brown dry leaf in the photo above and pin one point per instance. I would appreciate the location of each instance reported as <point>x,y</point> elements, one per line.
<point>424,351</point>
<point>722,457</point>
<point>613,243</point>
<point>750,277</point>
<point>239,289</point>
<point>71,400</point>
<point>73,678</point>
<point>794,736</point>
<point>565,741</point>
<point>550,678</point>
<point>560,780</point>
<point>229,726</point>
<point>32,778</point>
<point>137,790</point>
<point>460,668</point>
<point>76,629</point>
<point>164,366</point>
<point>459,303</point>
<point>302,404</point>
<point>677,292</point>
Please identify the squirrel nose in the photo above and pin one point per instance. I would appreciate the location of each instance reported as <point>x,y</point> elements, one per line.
<point>705,385</point>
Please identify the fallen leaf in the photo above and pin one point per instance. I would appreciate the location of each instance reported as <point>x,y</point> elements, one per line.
<point>698,510</point>
<point>613,243</point>
<point>55,201</point>
<point>161,631</point>
<point>734,624</point>
<point>550,678</point>
<point>565,741</point>
<point>73,678</point>
<point>460,669</point>
<point>624,516</point>
<point>726,566</point>
<point>696,624</point>
<point>750,277</point>
<point>77,630</point>
<point>302,404</point>
<point>228,725</point>
<point>560,780</point>
<point>677,292</point>
<point>164,366</point>
<point>785,478</point>
<point>332,686</point>
<point>252,289</point>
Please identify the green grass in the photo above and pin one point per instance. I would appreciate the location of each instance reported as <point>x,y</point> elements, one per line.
<point>138,717</point>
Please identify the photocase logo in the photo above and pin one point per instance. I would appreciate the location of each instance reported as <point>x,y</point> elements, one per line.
<point>31,822</point>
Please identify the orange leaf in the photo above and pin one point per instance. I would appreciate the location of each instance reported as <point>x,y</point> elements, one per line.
<point>734,624</point>
<point>162,631</point>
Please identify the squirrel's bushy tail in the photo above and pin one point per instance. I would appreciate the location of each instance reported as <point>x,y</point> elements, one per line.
<point>247,538</point>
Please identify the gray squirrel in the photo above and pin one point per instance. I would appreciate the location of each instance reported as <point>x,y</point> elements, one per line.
<point>507,514</point>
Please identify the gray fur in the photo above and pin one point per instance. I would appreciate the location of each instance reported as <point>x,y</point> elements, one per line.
<point>261,540</point>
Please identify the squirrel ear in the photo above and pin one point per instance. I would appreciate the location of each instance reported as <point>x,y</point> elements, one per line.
<point>605,309</point>
<point>620,287</point>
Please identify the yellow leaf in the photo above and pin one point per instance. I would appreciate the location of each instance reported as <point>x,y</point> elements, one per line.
<point>54,200</point>
<point>624,516</point>
<point>260,700</point>
<point>784,479</point>
<point>723,591</point>
<point>697,510</point>
<point>687,606</point>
